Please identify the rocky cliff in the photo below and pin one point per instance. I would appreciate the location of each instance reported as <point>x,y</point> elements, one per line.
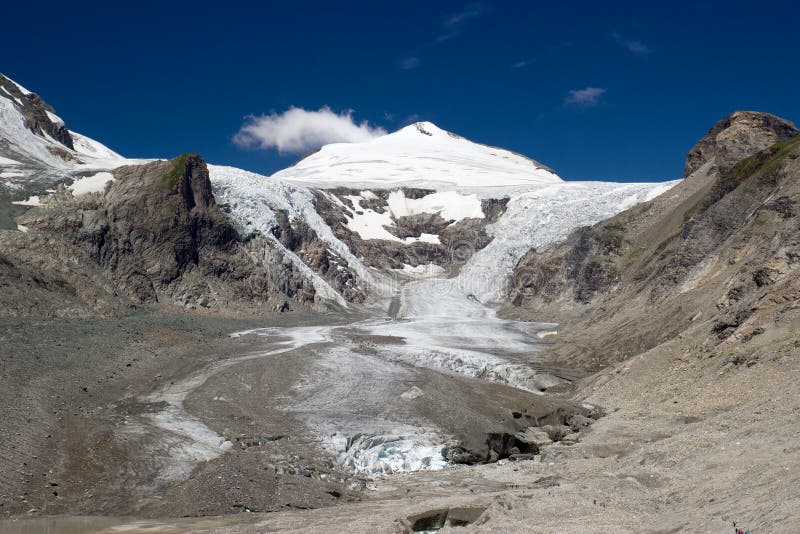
<point>155,235</point>
<point>737,136</point>
<point>720,249</point>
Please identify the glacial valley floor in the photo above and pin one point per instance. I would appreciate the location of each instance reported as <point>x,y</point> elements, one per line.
<point>689,443</point>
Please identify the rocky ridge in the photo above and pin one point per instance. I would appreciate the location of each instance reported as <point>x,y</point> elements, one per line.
<point>711,250</point>
<point>40,117</point>
<point>154,235</point>
<point>737,136</point>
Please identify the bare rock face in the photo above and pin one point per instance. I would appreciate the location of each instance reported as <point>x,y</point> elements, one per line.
<point>456,241</point>
<point>155,235</point>
<point>34,109</point>
<point>301,239</point>
<point>41,275</point>
<point>720,248</point>
<point>737,136</point>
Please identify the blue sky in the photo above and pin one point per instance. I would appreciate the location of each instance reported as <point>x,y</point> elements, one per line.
<point>597,90</point>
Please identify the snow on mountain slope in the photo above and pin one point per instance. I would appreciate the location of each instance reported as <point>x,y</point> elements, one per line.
<point>542,217</point>
<point>28,144</point>
<point>20,141</point>
<point>542,208</point>
<point>253,200</point>
<point>421,154</point>
<point>535,219</point>
<point>451,205</point>
<point>90,147</point>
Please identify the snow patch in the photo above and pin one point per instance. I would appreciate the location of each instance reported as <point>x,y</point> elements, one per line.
<point>369,224</point>
<point>91,184</point>
<point>450,205</point>
<point>425,238</point>
<point>90,147</point>
<point>31,201</point>
<point>429,270</point>
<point>11,174</point>
<point>8,161</point>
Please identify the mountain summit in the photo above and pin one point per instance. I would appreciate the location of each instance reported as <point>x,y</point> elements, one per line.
<point>421,153</point>
<point>32,135</point>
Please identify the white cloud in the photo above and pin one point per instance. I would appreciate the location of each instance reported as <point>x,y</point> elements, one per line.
<point>635,47</point>
<point>469,12</point>
<point>521,64</point>
<point>587,97</point>
<point>409,63</point>
<point>297,130</point>
<point>445,37</point>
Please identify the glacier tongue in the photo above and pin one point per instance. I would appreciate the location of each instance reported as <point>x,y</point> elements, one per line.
<point>539,218</point>
<point>387,454</point>
<point>449,324</point>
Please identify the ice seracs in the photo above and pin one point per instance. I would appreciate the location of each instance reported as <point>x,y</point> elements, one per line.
<point>421,154</point>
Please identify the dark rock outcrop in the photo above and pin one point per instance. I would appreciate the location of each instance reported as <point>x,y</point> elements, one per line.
<point>737,136</point>
<point>301,239</point>
<point>35,110</point>
<point>156,235</point>
<point>711,249</point>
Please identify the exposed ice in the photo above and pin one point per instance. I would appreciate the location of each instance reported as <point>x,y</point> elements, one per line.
<point>538,218</point>
<point>253,200</point>
<point>388,453</point>
<point>345,399</point>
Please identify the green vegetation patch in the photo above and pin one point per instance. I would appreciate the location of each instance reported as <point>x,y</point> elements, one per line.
<point>175,170</point>
<point>761,168</point>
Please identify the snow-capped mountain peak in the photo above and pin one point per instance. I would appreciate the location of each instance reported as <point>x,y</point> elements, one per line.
<point>31,133</point>
<point>419,154</point>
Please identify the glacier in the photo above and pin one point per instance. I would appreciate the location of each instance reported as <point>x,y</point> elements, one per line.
<point>448,324</point>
